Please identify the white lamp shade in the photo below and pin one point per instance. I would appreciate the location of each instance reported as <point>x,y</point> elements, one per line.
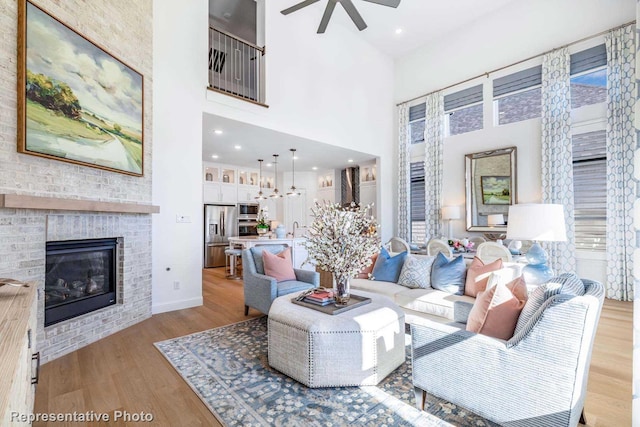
<point>541,222</point>
<point>495,219</point>
<point>451,212</point>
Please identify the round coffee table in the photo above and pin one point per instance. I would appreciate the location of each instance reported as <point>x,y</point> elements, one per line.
<point>357,347</point>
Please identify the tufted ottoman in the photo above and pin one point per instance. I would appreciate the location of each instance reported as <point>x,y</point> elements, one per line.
<point>357,347</point>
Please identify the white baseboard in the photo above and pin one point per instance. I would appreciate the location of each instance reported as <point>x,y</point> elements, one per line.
<point>176,305</point>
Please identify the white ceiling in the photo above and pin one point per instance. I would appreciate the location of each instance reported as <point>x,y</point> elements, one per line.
<point>422,21</point>
<point>261,143</point>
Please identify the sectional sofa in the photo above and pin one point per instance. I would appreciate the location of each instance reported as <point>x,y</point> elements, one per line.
<point>421,304</point>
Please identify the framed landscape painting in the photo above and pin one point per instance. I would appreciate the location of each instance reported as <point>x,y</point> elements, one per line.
<point>496,190</point>
<point>76,102</point>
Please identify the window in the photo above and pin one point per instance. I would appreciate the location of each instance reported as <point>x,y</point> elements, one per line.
<point>418,225</point>
<point>417,115</point>
<point>463,111</point>
<point>590,189</point>
<point>589,77</point>
<point>518,96</point>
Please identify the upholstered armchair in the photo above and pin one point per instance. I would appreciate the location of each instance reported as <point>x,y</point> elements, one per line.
<point>260,290</point>
<point>536,378</point>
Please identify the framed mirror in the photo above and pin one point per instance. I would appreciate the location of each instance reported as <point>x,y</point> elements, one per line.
<point>491,187</point>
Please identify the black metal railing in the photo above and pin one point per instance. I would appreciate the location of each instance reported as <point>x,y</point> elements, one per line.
<point>235,66</point>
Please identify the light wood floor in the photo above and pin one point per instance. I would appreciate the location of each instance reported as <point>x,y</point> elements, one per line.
<point>124,372</point>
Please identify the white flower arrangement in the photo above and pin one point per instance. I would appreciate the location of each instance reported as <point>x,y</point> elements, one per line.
<point>342,240</point>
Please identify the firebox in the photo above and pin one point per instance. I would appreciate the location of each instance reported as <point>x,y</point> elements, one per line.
<point>80,277</point>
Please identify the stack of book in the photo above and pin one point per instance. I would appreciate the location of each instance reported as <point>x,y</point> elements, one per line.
<point>320,298</point>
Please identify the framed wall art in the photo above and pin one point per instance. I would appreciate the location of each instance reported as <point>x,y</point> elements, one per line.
<point>76,102</point>
<point>496,190</point>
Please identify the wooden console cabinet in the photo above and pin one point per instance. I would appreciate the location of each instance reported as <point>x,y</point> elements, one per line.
<point>19,361</point>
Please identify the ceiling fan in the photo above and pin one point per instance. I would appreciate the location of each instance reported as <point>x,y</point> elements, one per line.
<point>348,7</point>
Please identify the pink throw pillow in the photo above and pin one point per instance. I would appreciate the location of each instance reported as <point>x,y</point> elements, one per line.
<point>365,272</point>
<point>478,275</point>
<point>279,266</point>
<point>496,310</point>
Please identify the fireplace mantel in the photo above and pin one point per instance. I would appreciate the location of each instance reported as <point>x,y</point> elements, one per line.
<point>21,201</point>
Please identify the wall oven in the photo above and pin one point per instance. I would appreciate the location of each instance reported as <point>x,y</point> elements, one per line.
<point>247,227</point>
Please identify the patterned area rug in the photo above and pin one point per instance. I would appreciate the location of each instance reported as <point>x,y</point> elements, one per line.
<point>228,369</point>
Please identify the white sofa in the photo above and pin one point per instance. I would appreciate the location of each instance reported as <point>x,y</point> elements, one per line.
<point>430,304</point>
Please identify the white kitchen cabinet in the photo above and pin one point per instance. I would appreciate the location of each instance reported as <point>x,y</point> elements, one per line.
<point>300,255</point>
<point>367,195</point>
<point>296,210</point>
<point>248,184</point>
<point>328,186</point>
<point>217,192</point>
<point>247,193</point>
<point>220,183</point>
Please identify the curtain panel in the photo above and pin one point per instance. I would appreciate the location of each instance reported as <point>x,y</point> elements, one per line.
<point>621,146</point>
<point>433,163</point>
<point>404,168</point>
<point>557,155</point>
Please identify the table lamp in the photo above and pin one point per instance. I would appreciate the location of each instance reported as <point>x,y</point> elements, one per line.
<point>540,223</point>
<point>449,213</point>
<point>495,219</point>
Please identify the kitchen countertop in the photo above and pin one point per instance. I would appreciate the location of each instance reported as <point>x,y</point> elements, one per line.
<point>249,241</point>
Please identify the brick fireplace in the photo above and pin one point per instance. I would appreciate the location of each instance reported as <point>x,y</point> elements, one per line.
<point>24,234</point>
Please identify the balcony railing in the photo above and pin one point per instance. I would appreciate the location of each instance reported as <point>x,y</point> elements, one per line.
<point>235,66</point>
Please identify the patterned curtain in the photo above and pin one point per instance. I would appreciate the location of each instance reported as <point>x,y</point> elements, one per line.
<point>433,137</point>
<point>557,156</point>
<point>404,168</point>
<point>621,145</point>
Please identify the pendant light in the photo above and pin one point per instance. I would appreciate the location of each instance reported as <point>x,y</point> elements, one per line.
<point>293,191</point>
<point>260,195</point>
<point>275,193</point>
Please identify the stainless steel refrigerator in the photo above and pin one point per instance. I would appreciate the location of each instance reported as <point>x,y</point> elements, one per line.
<point>220,222</point>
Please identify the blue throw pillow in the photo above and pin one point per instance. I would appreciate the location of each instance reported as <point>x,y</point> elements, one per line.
<point>449,276</point>
<point>388,268</point>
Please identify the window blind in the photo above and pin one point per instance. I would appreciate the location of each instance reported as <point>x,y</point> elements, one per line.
<point>417,112</point>
<point>463,98</point>
<point>417,191</point>
<point>524,79</point>
<point>588,59</point>
<point>590,189</point>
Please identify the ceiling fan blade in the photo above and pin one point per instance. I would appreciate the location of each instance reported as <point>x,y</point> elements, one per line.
<point>298,6</point>
<point>327,15</point>
<point>353,14</point>
<point>390,3</point>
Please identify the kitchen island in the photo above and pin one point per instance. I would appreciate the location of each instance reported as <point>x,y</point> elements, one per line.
<point>298,251</point>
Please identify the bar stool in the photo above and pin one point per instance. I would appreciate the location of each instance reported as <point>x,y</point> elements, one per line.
<point>233,263</point>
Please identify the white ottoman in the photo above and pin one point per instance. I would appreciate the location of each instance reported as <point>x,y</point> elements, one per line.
<point>357,347</point>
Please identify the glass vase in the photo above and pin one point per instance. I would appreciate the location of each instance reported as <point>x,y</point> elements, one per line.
<point>341,290</point>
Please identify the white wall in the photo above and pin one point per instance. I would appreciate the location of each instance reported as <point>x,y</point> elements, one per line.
<point>518,31</point>
<point>333,88</point>
<point>179,64</point>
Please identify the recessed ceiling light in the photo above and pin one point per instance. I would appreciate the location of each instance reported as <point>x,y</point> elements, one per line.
<point>237,147</point>
<point>398,30</point>
<point>217,132</point>
<point>269,165</point>
<point>350,160</point>
<point>215,156</point>
<point>315,168</point>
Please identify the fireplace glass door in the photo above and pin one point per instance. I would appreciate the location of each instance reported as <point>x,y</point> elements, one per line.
<point>80,277</point>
